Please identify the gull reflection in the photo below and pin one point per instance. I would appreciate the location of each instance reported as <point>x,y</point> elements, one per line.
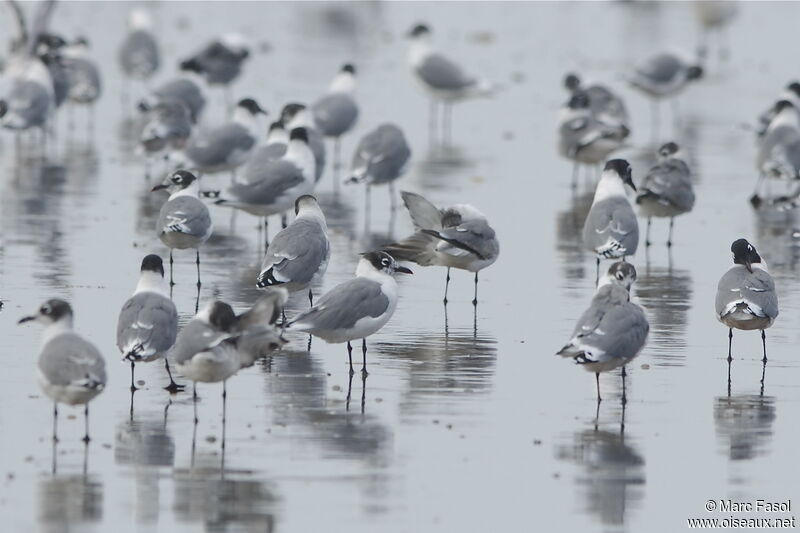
<point>223,499</point>
<point>613,475</point>
<point>569,240</point>
<point>70,501</point>
<point>666,294</point>
<point>744,424</point>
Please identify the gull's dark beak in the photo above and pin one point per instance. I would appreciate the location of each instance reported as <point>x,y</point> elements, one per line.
<point>629,181</point>
<point>403,270</point>
<point>159,187</point>
<point>262,111</point>
<point>26,319</point>
<point>748,265</point>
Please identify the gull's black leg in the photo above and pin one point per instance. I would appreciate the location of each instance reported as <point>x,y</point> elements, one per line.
<point>310,298</point>
<point>197,261</point>
<point>171,261</point>
<point>597,273</point>
<point>350,357</point>
<point>86,423</point>
<point>624,395</point>
<point>730,343</point>
<point>475,298</point>
<point>194,401</point>
<point>669,238</point>
<point>446,285</point>
<point>364,372</point>
<point>133,383</point>
<point>597,382</point>
<point>764,344</point>
<point>172,387</point>
<point>647,236</point>
<point>55,422</point>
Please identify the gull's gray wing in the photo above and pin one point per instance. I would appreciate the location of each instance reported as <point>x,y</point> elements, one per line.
<point>603,102</point>
<point>194,338</point>
<point>138,54</point>
<point>620,334</point>
<point>265,312</point>
<point>443,74</point>
<point>262,156</point>
<point>186,91</point>
<point>424,214</point>
<point>611,228</point>
<point>669,182</point>
<point>756,289</point>
<point>661,68</point>
<point>335,113</point>
<point>184,214</point>
<point>85,85</point>
<point>69,359</point>
<point>470,237</point>
<point>147,326</point>
<point>215,147</point>
<point>28,105</point>
<point>266,184</point>
<point>343,306</point>
<point>381,155</point>
<point>296,253</point>
<point>220,64</point>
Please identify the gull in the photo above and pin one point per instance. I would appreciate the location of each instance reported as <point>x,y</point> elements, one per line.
<point>298,255</point>
<point>381,157</point>
<point>714,16</point>
<point>148,322</point>
<point>791,94</point>
<point>611,229</point>
<point>667,189</point>
<point>457,236</point>
<point>184,221</point>
<point>217,343</point>
<point>273,148</point>
<point>746,296</point>
<point>273,187</point>
<point>613,330</point>
<point>228,146</point>
<point>336,112</point>
<point>139,55</point>
<point>220,61</point>
<point>442,78</point>
<point>604,104</point>
<point>779,147</point>
<point>356,308</point>
<point>83,74</point>
<point>664,76</point>
<point>583,138</point>
<point>169,126</point>
<point>295,115</point>
<point>187,89</point>
<point>71,369</point>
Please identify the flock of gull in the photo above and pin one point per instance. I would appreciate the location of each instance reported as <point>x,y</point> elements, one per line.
<point>270,177</point>
<point>277,176</point>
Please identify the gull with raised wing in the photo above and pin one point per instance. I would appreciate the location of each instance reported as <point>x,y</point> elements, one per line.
<point>457,236</point>
<point>71,369</point>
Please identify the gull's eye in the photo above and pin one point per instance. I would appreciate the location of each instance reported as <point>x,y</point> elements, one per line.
<point>45,310</point>
<point>385,262</point>
<point>620,276</point>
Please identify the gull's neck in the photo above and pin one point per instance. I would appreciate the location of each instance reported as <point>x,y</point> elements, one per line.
<point>366,270</point>
<point>139,19</point>
<point>312,212</point>
<point>610,185</point>
<point>419,50</point>
<point>192,190</point>
<point>277,136</point>
<point>151,282</point>
<point>787,117</point>
<point>299,153</point>
<point>51,331</point>
<point>302,119</point>
<point>344,82</point>
<point>245,118</point>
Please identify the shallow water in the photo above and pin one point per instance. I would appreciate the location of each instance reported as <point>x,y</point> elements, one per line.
<point>467,421</point>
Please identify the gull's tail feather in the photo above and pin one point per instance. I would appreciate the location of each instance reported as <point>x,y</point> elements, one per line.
<point>420,248</point>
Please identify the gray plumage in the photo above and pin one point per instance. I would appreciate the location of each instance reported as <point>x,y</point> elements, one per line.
<point>147,326</point>
<point>295,255</point>
<point>219,63</point>
<point>219,148</point>
<point>138,55</point>
<point>667,189</point>
<point>275,187</point>
<point>605,104</point>
<point>663,74</point>
<point>184,90</point>
<point>745,297</point>
<point>85,84</point>
<point>169,125</point>
<point>610,333</point>
<point>196,337</point>
<point>335,113</point>
<point>262,156</point>
<point>661,68</point>
<point>29,105</point>
<point>611,228</point>
<point>58,75</point>
<point>381,156</point>
<point>588,139</point>
<point>342,307</point>
<point>69,359</point>
<point>187,216</point>
<point>442,74</point>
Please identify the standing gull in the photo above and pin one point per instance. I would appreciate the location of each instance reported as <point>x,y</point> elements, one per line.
<point>611,229</point>
<point>613,330</point>
<point>442,78</point>
<point>779,147</point>
<point>71,369</point>
<point>667,189</point>
<point>298,255</point>
<point>148,322</point>
<point>605,105</point>
<point>139,56</point>
<point>336,113</point>
<point>746,296</point>
<point>184,221</point>
<point>169,125</point>
<point>381,157</point>
<point>186,89</point>
<point>273,147</point>
<point>356,308</point>
<point>83,73</point>
<point>228,146</point>
<point>296,115</point>
<point>457,236</point>
<point>273,187</point>
<point>220,61</point>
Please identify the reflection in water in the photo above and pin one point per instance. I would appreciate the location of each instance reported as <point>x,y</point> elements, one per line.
<point>666,294</point>
<point>223,500</point>
<point>457,365</point>
<point>69,500</point>
<point>613,475</point>
<point>569,240</point>
<point>744,424</point>
<point>435,171</point>
<point>775,230</point>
